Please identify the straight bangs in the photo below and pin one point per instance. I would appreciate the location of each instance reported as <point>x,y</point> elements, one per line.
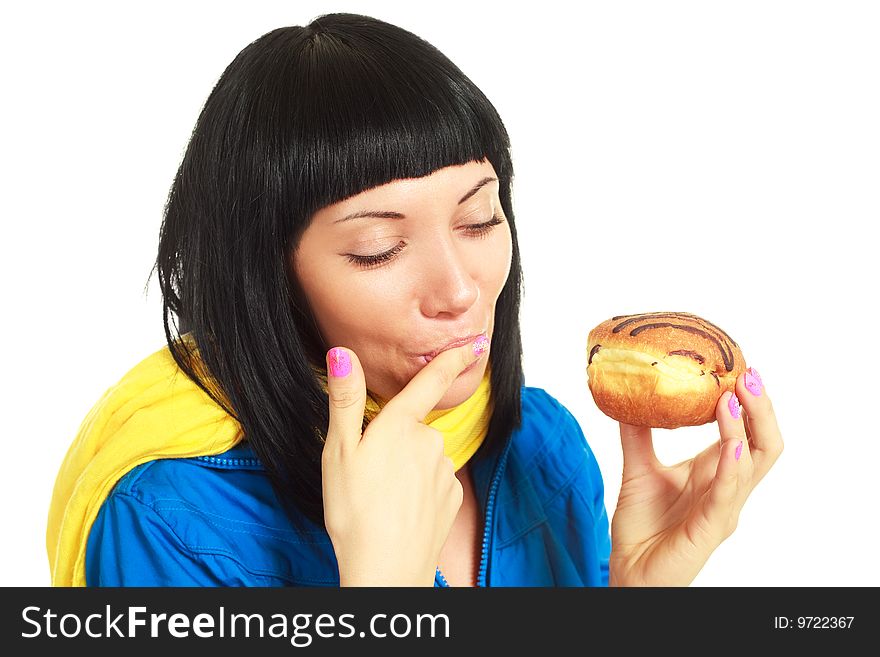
<point>367,108</point>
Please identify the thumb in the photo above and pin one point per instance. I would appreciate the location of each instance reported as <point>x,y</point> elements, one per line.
<point>347,394</point>
<point>638,450</point>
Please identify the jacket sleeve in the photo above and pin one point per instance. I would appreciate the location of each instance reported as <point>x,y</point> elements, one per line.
<point>130,544</point>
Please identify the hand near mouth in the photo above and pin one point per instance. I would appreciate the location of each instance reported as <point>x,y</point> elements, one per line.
<point>390,494</point>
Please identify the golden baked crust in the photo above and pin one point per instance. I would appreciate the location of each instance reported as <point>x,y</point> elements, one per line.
<point>661,369</point>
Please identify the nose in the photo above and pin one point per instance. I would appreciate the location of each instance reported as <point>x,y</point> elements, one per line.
<point>449,282</point>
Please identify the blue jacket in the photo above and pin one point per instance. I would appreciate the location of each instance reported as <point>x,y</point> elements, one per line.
<point>215,520</point>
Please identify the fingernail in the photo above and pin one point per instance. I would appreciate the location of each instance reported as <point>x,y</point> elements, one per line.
<point>753,382</point>
<point>733,406</point>
<point>756,375</point>
<point>481,345</point>
<point>339,362</point>
<point>739,450</point>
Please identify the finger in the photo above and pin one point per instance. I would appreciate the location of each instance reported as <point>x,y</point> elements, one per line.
<point>764,435</point>
<point>638,450</point>
<point>347,393</point>
<point>719,511</point>
<point>731,426</point>
<point>427,387</point>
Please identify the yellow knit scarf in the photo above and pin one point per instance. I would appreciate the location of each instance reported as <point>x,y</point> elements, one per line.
<point>155,411</point>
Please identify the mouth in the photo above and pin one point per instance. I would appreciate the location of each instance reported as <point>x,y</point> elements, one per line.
<point>458,342</point>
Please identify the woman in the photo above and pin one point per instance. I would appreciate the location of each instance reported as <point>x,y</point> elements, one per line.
<point>341,401</point>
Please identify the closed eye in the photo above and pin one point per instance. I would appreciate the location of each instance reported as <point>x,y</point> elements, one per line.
<point>367,262</point>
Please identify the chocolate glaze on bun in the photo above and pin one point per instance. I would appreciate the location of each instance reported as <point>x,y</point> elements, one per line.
<point>661,369</point>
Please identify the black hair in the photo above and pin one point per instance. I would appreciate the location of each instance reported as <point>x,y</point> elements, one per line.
<point>302,118</point>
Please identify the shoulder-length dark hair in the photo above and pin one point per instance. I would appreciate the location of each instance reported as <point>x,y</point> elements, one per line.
<point>304,117</point>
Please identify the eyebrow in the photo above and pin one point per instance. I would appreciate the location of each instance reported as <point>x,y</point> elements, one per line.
<point>384,214</point>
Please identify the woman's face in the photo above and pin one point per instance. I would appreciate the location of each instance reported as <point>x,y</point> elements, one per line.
<point>437,278</point>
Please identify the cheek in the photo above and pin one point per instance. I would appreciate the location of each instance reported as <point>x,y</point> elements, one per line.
<point>350,308</point>
<point>499,263</point>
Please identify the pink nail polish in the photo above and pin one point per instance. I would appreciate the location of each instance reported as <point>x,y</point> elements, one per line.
<point>481,345</point>
<point>739,450</point>
<point>339,362</point>
<point>733,406</point>
<point>756,375</point>
<point>753,382</point>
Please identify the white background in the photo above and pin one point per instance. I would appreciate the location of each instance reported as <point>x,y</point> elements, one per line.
<point>720,159</point>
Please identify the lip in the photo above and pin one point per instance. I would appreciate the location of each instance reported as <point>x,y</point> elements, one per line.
<point>457,342</point>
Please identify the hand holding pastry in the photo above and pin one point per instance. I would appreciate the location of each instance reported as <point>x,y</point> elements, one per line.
<point>669,519</point>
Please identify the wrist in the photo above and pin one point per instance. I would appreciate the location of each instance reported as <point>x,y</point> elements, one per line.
<point>618,571</point>
<point>375,576</point>
<point>624,571</point>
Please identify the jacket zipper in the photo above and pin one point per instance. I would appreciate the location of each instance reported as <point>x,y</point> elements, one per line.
<point>487,530</point>
<point>231,462</point>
